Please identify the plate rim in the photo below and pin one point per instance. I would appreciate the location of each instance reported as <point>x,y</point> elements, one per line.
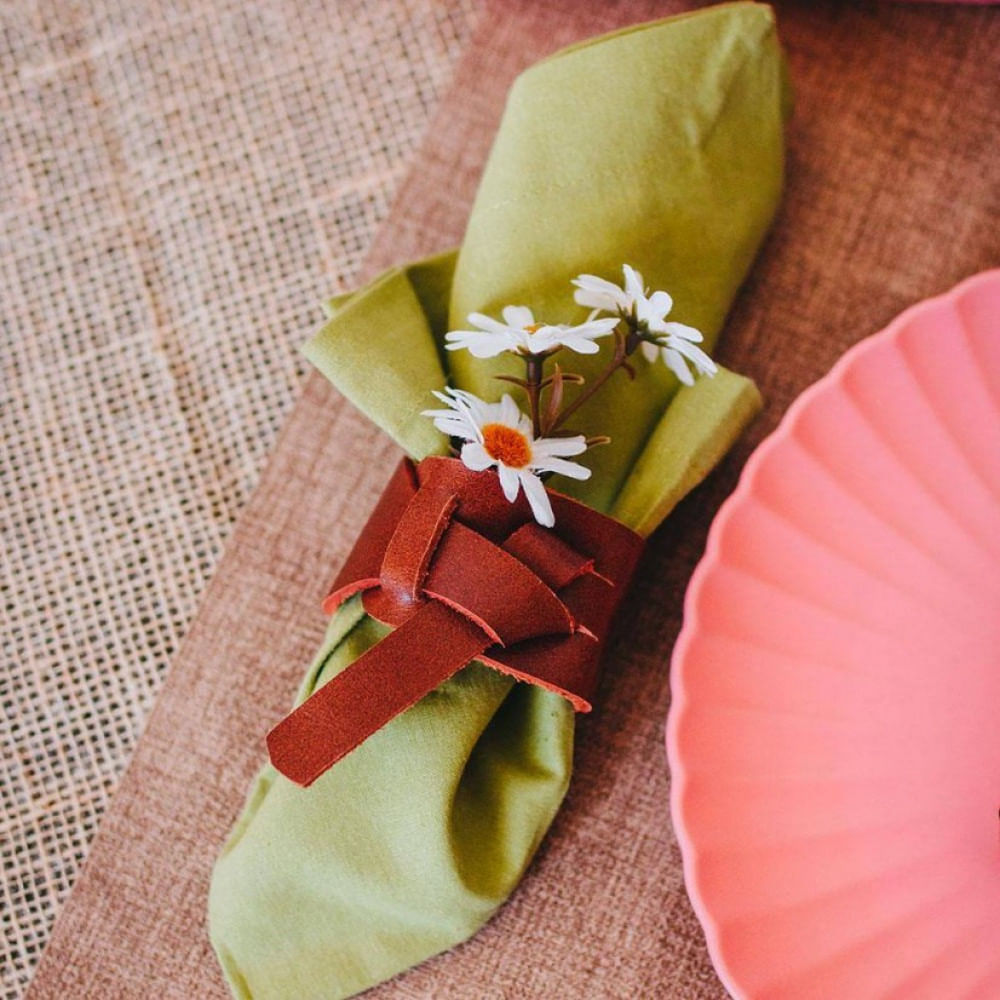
<point>692,624</point>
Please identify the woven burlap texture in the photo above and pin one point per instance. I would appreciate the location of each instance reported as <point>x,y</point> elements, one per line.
<point>893,195</point>
<point>180,186</point>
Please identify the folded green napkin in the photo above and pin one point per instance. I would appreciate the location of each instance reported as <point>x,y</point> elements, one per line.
<point>661,147</point>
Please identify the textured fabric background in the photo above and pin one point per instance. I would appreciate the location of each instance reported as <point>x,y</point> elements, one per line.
<point>180,185</point>
<point>893,195</point>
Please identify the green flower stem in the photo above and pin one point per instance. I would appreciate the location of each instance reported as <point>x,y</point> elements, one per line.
<point>533,364</point>
<point>625,345</point>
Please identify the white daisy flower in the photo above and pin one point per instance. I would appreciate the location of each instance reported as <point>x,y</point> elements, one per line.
<point>675,342</point>
<point>498,435</point>
<point>521,334</point>
<point>629,300</point>
<point>601,294</point>
<point>678,348</point>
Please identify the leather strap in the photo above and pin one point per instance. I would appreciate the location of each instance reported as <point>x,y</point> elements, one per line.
<point>462,574</point>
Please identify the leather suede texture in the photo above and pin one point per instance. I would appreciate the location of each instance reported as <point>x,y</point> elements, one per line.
<point>462,574</point>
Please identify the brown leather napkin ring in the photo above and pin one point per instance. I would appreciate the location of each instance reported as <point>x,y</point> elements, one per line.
<point>462,574</point>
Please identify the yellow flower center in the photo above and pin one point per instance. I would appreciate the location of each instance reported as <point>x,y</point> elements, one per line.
<point>534,328</point>
<point>506,445</point>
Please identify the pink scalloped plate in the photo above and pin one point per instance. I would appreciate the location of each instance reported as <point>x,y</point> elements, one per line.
<point>834,736</point>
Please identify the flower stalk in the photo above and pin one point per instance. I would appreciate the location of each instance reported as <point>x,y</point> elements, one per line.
<point>625,345</point>
<point>533,387</point>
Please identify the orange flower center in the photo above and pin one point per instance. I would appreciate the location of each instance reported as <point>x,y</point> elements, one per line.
<point>533,328</point>
<point>506,445</point>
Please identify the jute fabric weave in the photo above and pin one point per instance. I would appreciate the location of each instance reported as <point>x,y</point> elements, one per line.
<point>893,195</point>
<point>179,188</point>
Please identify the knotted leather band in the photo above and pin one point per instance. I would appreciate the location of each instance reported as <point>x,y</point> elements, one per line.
<point>462,574</point>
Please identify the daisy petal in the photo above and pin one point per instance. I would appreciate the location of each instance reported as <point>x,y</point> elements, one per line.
<point>592,283</point>
<point>476,457</point>
<point>541,506</point>
<point>684,332</point>
<point>581,345</point>
<point>463,416</point>
<point>487,323</point>
<point>599,327</point>
<point>649,351</point>
<point>509,482</point>
<point>549,447</point>
<point>518,317</point>
<point>676,364</point>
<point>694,354</point>
<point>597,293</point>
<point>509,413</point>
<point>474,407</point>
<point>660,303</point>
<point>454,428</point>
<point>633,284</point>
<point>563,468</point>
<point>479,345</point>
<point>543,339</point>
<point>595,301</point>
<point>481,350</point>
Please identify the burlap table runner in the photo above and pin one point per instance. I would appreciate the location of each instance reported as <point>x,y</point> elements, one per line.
<point>179,186</point>
<point>893,195</point>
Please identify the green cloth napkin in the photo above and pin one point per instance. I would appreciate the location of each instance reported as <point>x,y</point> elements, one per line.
<point>659,146</point>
